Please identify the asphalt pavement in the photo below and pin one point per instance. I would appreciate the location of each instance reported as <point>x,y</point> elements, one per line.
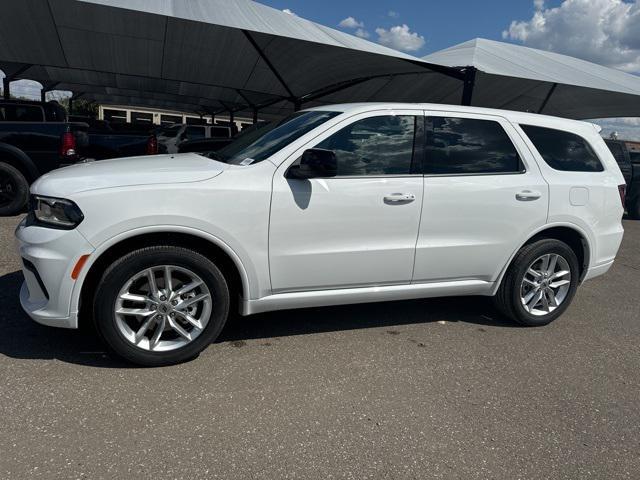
<point>440,388</point>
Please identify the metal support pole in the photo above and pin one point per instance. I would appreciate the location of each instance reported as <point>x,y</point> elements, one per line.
<point>469,84</point>
<point>43,95</point>
<point>255,116</point>
<point>6,88</point>
<point>231,117</point>
<point>71,105</point>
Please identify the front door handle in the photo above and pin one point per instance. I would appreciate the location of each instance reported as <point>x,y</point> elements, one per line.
<point>528,196</point>
<point>399,198</point>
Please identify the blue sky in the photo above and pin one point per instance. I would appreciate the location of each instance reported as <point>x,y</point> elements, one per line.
<point>440,23</point>
<point>601,31</point>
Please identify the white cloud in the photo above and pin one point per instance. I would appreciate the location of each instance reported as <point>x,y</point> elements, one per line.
<point>288,11</point>
<point>627,128</point>
<point>401,38</point>
<point>362,33</point>
<point>393,14</point>
<point>602,31</point>
<point>351,22</point>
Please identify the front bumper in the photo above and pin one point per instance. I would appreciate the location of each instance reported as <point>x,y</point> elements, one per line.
<point>48,257</point>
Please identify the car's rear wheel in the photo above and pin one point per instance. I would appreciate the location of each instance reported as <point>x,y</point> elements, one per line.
<point>14,190</point>
<point>161,305</point>
<point>539,284</point>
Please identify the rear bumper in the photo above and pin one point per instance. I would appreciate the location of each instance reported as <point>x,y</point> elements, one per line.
<point>597,270</point>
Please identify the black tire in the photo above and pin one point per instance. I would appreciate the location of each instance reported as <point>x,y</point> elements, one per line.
<point>125,268</point>
<point>508,298</point>
<point>14,190</point>
<point>633,209</point>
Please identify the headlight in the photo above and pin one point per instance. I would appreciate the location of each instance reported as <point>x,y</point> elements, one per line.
<point>54,212</point>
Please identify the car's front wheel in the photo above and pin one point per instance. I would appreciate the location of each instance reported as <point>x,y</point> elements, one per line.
<point>161,305</point>
<point>539,284</point>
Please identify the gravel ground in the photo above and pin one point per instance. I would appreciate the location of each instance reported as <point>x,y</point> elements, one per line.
<point>419,389</point>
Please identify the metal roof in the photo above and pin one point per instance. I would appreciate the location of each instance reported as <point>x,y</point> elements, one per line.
<point>215,55</point>
<point>521,78</point>
<point>239,52</point>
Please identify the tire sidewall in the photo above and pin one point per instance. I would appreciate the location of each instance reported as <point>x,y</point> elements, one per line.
<point>544,247</point>
<point>125,268</point>
<point>21,196</point>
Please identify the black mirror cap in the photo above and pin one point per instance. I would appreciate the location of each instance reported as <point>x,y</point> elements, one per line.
<point>315,163</point>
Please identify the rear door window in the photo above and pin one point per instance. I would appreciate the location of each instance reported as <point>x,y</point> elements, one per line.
<point>562,150</point>
<point>469,146</point>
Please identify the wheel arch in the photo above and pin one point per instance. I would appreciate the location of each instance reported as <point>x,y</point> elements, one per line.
<point>214,249</point>
<point>568,233</point>
<point>20,160</point>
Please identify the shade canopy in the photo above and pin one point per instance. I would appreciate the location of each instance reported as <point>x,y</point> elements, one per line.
<point>514,77</point>
<point>209,55</point>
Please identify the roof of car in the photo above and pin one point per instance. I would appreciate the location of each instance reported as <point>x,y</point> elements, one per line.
<point>514,116</point>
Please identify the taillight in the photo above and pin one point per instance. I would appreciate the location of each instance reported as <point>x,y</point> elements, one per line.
<point>622,189</point>
<point>152,145</point>
<point>67,145</point>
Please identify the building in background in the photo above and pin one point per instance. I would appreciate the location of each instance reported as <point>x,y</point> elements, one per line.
<point>152,116</point>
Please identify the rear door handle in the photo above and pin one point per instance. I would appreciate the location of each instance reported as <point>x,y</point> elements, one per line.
<point>528,196</point>
<point>399,198</point>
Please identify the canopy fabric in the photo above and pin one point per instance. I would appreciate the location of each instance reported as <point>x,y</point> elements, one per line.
<point>229,53</point>
<point>209,56</point>
<point>521,78</point>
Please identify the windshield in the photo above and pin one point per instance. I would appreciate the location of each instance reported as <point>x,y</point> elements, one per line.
<point>287,131</point>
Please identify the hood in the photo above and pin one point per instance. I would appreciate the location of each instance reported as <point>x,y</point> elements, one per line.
<point>127,172</point>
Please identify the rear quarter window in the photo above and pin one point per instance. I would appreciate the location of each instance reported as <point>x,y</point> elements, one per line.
<point>562,150</point>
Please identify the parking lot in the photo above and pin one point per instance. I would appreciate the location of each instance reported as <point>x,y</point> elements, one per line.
<point>420,389</point>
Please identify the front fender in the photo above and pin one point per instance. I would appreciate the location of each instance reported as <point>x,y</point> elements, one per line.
<point>245,273</point>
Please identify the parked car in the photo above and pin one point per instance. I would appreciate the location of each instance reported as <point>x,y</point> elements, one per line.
<point>35,138</point>
<point>220,148</point>
<point>170,138</point>
<point>112,140</point>
<point>629,163</point>
<point>337,205</point>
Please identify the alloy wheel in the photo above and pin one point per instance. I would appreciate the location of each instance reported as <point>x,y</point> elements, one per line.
<point>545,284</point>
<point>163,308</point>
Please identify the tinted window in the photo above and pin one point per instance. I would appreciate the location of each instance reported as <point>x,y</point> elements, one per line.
<point>289,130</point>
<point>635,157</point>
<point>195,132</point>
<point>220,132</point>
<point>21,113</point>
<point>563,150</point>
<point>374,146</point>
<point>469,146</point>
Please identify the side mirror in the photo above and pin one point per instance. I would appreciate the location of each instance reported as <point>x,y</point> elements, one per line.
<point>315,163</point>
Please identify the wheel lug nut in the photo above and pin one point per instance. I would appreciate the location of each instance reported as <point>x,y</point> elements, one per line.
<point>172,314</point>
<point>174,302</point>
<point>154,307</point>
<point>162,298</point>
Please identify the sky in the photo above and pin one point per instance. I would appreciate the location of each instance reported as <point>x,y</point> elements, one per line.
<point>602,31</point>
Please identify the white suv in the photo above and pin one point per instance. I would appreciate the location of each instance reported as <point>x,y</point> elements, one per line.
<point>337,205</point>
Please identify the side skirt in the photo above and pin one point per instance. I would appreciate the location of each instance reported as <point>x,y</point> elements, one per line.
<point>345,296</point>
